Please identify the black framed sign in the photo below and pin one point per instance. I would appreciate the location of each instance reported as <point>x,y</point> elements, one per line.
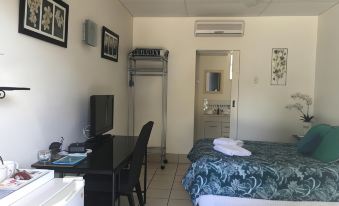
<point>44,19</point>
<point>109,45</point>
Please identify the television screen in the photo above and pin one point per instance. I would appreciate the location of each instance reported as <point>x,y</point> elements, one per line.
<point>101,112</point>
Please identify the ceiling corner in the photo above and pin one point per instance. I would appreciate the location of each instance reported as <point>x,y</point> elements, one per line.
<point>127,9</point>
<point>266,7</point>
<point>186,8</point>
<point>326,10</point>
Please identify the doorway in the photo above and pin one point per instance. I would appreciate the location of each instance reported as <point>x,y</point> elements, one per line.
<point>216,94</point>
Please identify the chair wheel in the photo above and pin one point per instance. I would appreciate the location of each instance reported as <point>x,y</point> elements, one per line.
<point>162,167</point>
<point>165,161</point>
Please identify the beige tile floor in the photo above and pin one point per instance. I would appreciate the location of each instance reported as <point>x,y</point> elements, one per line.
<point>164,186</point>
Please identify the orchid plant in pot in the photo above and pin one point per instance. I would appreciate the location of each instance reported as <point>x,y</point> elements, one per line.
<point>302,105</point>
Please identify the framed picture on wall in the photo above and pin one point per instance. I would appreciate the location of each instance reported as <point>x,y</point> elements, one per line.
<point>45,19</point>
<point>109,45</point>
<point>279,66</point>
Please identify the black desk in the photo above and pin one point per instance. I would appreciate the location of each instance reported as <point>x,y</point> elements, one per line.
<point>110,154</point>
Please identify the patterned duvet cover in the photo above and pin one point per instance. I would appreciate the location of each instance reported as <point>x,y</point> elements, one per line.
<point>275,171</point>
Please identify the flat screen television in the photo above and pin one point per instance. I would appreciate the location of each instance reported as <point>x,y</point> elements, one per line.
<point>101,114</point>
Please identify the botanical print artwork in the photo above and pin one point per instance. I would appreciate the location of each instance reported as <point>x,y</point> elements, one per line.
<point>59,22</point>
<point>279,66</point>
<point>110,45</point>
<point>47,15</point>
<point>115,47</point>
<point>33,17</point>
<point>44,19</point>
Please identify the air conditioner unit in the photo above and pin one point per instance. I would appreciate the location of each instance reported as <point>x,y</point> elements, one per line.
<point>223,28</point>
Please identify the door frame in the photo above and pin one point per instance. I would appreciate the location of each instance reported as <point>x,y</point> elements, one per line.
<point>234,121</point>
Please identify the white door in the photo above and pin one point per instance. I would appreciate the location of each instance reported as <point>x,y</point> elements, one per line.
<point>235,68</point>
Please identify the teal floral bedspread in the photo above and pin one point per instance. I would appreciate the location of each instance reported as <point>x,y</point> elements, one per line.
<point>275,171</point>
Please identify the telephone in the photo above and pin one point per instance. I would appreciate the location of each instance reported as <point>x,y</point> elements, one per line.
<point>77,148</point>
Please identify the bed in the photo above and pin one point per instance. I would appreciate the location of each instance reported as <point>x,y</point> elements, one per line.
<point>276,174</point>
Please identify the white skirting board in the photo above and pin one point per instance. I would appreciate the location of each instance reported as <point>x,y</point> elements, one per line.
<point>214,200</point>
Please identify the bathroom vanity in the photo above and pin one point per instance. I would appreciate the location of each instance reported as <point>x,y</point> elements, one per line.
<point>214,125</point>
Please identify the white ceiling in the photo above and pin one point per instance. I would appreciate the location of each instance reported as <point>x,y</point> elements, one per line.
<point>227,8</point>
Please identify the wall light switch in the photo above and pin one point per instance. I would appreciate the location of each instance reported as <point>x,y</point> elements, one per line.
<point>256,80</point>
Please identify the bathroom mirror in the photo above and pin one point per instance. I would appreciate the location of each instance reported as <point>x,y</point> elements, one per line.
<point>213,81</point>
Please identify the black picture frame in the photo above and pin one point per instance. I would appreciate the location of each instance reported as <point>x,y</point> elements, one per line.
<point>109,45</point>
<point>46,20</point>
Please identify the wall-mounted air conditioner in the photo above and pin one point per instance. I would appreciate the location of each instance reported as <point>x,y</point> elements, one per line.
<point>219,28</point>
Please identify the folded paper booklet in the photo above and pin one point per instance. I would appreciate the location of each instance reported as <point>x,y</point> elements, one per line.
<point>13,184</point>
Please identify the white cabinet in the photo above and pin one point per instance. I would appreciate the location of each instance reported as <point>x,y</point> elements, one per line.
<point>212,129</point>
<point>47,191</point>
<point>225,128</point>
<point>56,192</point>
<point>12,197</point>
<point>212,126</point>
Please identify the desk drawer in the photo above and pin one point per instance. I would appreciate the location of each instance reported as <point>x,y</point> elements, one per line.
<point>225,134</point>
<point>212,129</point>
<point>212,124</point>
<point>225,130</point>
<point>225,125</point>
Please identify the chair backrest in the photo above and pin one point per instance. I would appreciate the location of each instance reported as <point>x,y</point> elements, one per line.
<point>139,154</point>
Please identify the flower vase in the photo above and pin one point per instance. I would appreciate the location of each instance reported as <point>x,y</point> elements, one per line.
<point>305,126</point>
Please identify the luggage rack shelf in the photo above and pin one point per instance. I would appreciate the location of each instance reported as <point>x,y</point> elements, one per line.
<point>141,63</point>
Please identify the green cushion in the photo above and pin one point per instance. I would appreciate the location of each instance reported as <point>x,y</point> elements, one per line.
<point>311,145</point>
<point>312,138</point>
<point>328,150</point>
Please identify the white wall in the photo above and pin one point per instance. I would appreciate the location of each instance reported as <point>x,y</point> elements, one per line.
<point>262,115</point>
<point>61,80</point>
<point>327,73</point>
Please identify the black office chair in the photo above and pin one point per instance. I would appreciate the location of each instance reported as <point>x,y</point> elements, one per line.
<point>129,179</point>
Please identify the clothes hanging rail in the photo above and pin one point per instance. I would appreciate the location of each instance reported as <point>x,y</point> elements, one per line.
<point>149,62</point>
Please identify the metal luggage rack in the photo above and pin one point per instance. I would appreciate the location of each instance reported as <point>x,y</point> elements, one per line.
<point>152,66</point>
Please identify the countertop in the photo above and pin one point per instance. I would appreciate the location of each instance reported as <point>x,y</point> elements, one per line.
<point>215,115</point>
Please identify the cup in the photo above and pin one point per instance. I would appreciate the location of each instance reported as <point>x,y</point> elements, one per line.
<point>44,155</point>
<point>12,166</point>
<point>3,172</point>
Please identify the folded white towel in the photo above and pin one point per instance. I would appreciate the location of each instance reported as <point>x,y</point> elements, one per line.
<point>228,141</point>
<point>232,150</point>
